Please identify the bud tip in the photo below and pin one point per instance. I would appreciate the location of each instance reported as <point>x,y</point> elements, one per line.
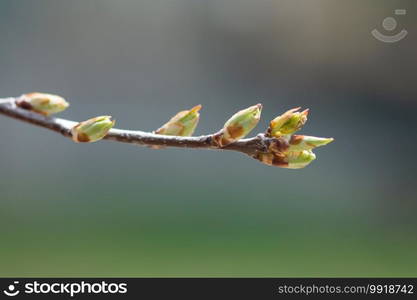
<point>196,108</point>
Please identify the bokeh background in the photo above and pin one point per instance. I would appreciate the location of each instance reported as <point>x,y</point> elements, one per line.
<point>110,209</point>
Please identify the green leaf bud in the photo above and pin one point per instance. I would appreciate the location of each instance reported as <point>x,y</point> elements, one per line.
<point>45,104</point>
<point>289,160</point>
<point>182,124</point>
<point>304,142</point>
<point>298,160</point>
<point>239,125</point>
<point>92,130</point>
<point>287,123</point>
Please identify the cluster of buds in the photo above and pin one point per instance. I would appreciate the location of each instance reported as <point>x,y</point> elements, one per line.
<point>283,148</point>
<point>45,104</point>
<point>287,150</point>
<point>237,127</point>
<point>91,130</point>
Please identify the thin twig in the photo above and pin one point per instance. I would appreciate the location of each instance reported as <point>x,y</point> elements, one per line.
<point>250,146</point>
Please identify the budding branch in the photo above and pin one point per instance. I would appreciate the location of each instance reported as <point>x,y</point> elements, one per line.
<point>250,146</point>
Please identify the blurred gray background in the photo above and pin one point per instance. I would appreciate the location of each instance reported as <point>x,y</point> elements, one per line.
<point>110,209</point>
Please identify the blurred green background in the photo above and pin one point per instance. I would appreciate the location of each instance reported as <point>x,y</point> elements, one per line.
<point>110,209</point>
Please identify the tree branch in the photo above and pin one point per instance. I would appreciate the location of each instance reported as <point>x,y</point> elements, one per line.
<point>250,146</point>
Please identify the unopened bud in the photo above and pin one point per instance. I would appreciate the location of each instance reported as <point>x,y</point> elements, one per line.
<point>239,125</point>
<point>182,124</point>
<point>92,130</point>
<point>289,160</point>
<point>45,104</point>
<point>287,123</point>
<point>298,160</point>
<point>305,142</point>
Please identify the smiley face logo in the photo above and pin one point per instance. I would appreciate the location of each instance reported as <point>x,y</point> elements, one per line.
<point>390,24</point>
<point>11,289</point>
